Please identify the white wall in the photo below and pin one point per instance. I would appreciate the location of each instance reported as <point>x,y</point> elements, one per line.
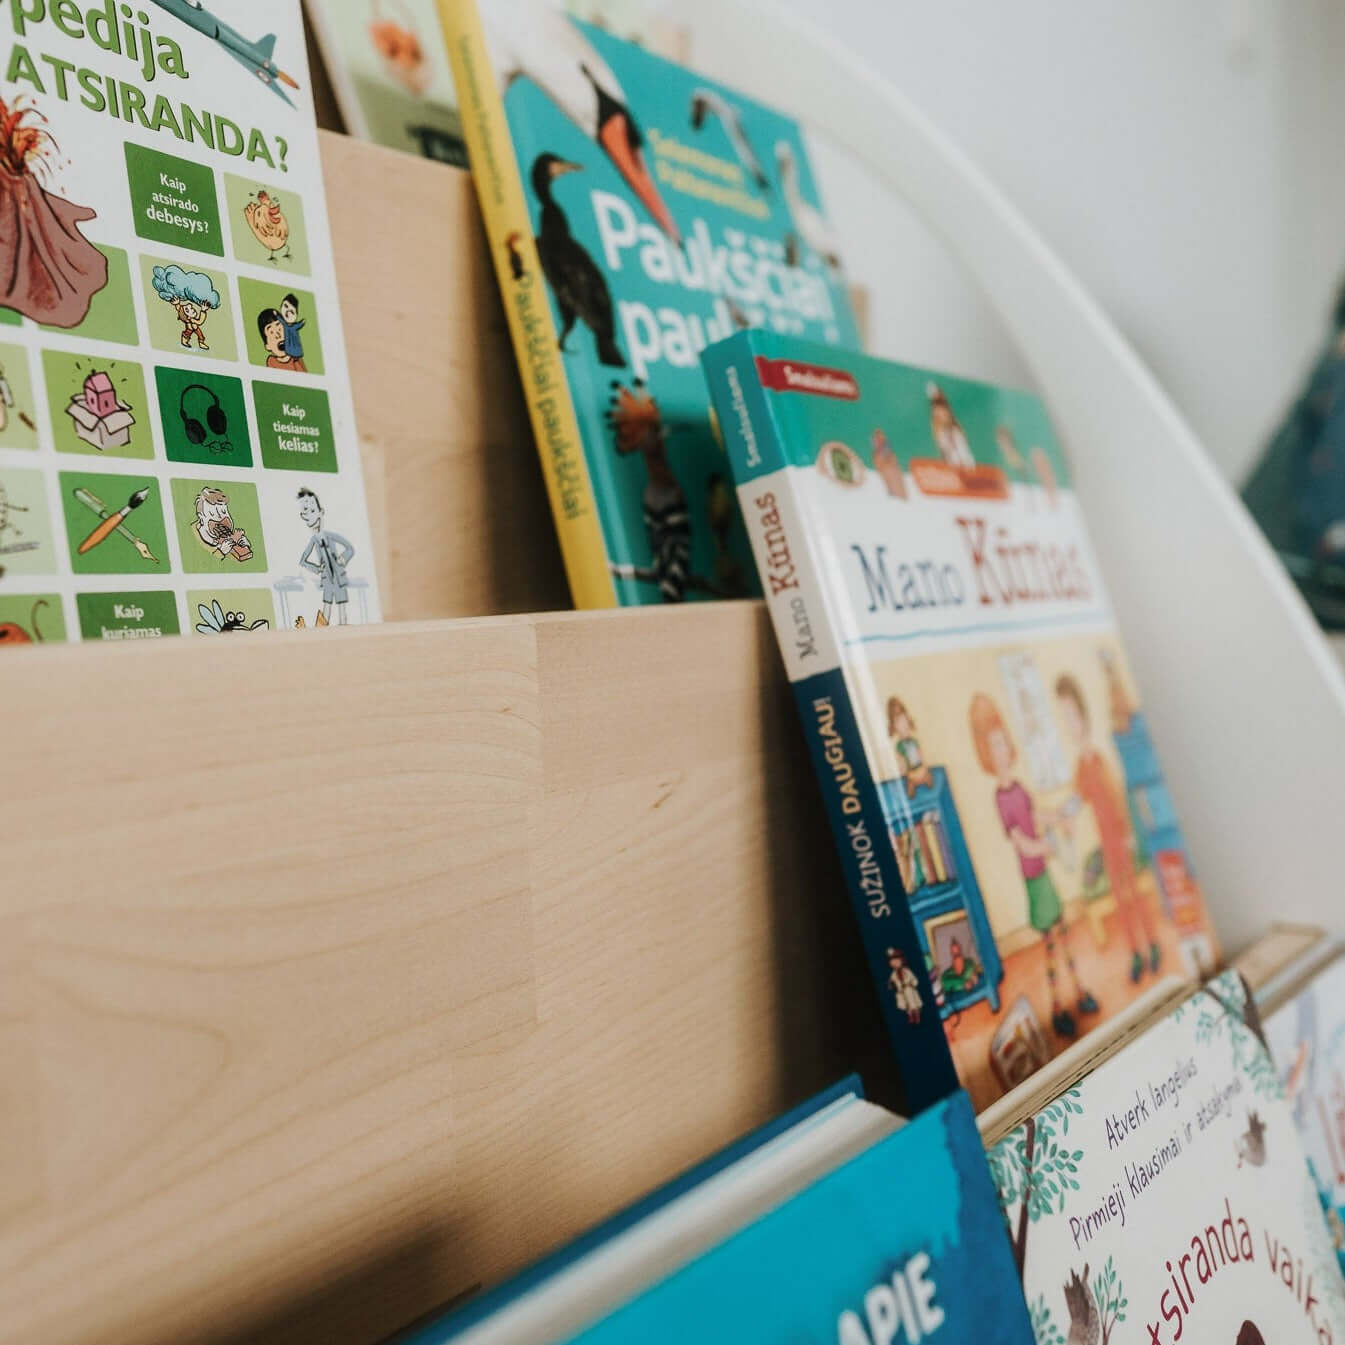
<point>1182,159</point>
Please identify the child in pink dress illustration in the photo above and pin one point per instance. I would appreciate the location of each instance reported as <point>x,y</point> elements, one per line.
<point>996,752</point>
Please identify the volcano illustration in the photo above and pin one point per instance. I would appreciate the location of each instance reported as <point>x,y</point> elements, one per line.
<point>48,270</point>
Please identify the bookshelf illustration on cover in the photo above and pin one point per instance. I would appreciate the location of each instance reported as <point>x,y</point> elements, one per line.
<point>940,880</point>
<point>636,212</point>
<point>1013,857</point>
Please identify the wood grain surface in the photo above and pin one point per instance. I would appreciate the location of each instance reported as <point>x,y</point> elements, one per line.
<point>328,999</point>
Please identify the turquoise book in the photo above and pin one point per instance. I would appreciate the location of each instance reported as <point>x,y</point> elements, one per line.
<point>636,212</point>
<point>840,1223</point>
<point>1012,853</point>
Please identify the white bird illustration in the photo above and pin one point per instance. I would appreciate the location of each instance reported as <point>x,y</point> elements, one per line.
<point>528,39</point>
<point>707,103</point>
<point>809,222</point>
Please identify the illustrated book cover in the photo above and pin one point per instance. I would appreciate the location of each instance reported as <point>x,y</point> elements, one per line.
<point>386,63</point>
<point>1306,1032</point>
<point>635,213</point>
<point>1165,1195</point>
<point>390,75</point>
<point>893,1235</point>
<point>1010,845</point>
<point>178,452</point>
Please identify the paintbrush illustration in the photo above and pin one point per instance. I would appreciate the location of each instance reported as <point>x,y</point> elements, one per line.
<point>113,523</point>
<point>92,503</point>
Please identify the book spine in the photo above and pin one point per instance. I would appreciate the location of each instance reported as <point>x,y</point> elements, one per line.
<point>513,250</point>
<point>807,631</point>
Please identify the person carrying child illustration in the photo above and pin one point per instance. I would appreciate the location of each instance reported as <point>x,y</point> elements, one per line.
<point>996,752</point>
<point>1096,784</point>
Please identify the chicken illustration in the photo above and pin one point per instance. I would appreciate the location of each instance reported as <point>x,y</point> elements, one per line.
<point>1252,1145</point>
<point>268,223</point>
<point>1085,1322</point>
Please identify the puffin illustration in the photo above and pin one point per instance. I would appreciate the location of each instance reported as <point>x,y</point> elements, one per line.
<point>707,103</point>
<point>809,222</point>
<point>579,286</point>
<point>529,39</point>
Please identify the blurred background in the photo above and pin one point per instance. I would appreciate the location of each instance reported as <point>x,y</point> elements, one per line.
<point>1181,159</point>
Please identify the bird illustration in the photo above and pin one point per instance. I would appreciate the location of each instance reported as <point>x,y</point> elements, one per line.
<point>516,267</point>
<point>530,39</point>
<point>637,425</point>
<point>720,511</point>
<point>809,222</point>
<point>579,287</point>
<point>707,103</point>
<point>268,223</point>
<point>1252,1145</point>
<point>1085,1322</point>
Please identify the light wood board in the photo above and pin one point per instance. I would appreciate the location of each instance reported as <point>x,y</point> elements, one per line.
<point>459,512</point>
<point>428,946</point>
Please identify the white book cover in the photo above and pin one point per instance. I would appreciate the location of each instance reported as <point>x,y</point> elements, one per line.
<point>1307,1040</point>
<point>178,451</point>
<point>1167,1197</point>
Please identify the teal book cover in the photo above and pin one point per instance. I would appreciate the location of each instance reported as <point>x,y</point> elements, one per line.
<point>904,1243</point>
<point>663,211</point>
<point>1014,857</point>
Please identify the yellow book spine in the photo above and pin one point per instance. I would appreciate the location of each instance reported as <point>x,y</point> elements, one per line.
<point>513,250</point>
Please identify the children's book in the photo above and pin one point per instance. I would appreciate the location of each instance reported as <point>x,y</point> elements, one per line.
<point>1162,1193</point>
<point>842,1224</point>
<point>1302,1000</point>
<point>1011,849</point>
<point>635,213</point>
<point>390,76</point>
<point>178,450</point>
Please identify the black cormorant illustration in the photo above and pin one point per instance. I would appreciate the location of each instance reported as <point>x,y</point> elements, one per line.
<point>579,287</point>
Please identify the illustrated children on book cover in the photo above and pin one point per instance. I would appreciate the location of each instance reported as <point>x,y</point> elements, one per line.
<point>951,645</point>
<point>1166,1197</point>
<point>636,212</point>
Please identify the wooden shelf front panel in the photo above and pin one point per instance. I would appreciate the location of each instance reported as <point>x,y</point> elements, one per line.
<point>401,957</point>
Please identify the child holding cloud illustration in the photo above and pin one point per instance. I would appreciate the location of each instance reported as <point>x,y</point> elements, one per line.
<point>193,296</point>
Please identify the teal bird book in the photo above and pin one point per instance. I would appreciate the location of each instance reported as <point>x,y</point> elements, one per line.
<point>842,1224</point>
<point>1012,852</point>
<point>636,212</point>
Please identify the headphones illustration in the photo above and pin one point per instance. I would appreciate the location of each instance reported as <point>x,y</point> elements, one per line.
<point>216,422</point>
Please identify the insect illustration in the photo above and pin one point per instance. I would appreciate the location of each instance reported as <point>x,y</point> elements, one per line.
<point>216,621</point>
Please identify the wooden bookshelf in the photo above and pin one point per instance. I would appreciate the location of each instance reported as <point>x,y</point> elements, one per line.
<point>444,432</point>
<point>423,950</point>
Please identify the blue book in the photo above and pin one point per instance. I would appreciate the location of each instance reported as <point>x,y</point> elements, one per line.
<point>839,1223</point>
<point>636,212</point>
<point>1011,850</point>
